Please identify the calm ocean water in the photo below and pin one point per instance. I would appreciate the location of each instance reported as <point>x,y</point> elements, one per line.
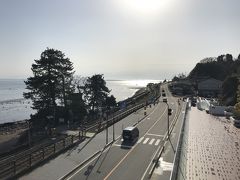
<point>13,107</point>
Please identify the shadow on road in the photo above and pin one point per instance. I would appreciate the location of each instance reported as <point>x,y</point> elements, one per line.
<point>88,172</point>
<point>128,144</point>
<point>79,150</point>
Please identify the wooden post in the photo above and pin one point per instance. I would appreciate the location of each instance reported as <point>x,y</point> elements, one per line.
<point>14,167</point>
<point>54,148</point>
<point>64,143</point>
<point>43,153</point>
<point>30,160</point>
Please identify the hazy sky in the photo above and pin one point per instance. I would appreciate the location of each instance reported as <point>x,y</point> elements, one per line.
<point>123,39</point>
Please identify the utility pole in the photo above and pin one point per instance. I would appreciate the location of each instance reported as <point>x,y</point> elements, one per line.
<point>113,127</point>
<point>107,129</point>
<point>169,114</point>
<point>63,88</point>
<point>29,135</point>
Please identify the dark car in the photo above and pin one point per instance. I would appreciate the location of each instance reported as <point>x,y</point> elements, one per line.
<point>130,134</point>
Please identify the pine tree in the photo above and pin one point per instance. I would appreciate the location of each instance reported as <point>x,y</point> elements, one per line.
<point>51,81</point>
<point>95,92</point>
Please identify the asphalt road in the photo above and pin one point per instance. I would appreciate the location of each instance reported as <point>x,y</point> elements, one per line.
<point>132,161</point>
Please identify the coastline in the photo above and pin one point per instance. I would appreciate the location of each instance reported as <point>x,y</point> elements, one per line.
<point>14,108</point>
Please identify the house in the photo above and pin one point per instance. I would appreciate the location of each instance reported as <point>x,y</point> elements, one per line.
<point>182,87</point>
<point>209,88</point>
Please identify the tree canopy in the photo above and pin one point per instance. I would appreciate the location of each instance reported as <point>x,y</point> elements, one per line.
<point>96,91</point>
<point>51,80</point>
<point>218,68</point>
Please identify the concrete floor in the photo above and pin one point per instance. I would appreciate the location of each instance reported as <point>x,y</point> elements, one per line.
<point>212,148</point>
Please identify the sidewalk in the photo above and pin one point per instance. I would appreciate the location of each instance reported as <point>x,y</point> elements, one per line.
<point>210,148</point>
<point>61,165</point>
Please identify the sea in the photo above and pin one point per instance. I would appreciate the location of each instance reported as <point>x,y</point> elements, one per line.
<point>13,107</point>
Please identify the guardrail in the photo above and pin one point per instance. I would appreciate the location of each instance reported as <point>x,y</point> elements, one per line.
<point>15,165</point>
<point>177,156</point>
<point>102,125</point>
<point>160,150</point>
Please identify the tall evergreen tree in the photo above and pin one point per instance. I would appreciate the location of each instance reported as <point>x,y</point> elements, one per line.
<point>96,91</point>
<point>51,81</point>
<point>229,57</point>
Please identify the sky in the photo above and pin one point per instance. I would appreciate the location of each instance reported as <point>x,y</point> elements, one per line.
<point>122,39</point>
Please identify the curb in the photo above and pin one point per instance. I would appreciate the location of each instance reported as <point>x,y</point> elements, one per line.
<point>85,161</point>
<point>155,164</point>
<point>95,154</point>
<point>80,165</point>
<point>164,144</point>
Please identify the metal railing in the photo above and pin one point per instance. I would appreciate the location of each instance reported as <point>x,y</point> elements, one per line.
<point>16,164</point>
<point>103,124</point>
<point>21,162</point>
<point>177,156</point>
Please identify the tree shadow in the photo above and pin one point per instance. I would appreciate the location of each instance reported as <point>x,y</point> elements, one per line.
<point>90,168</point>
<point>79,150</point>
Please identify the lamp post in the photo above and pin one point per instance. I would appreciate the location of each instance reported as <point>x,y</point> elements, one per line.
<point>29,135</point>
<point>63,88</point>
<point>107,129</point>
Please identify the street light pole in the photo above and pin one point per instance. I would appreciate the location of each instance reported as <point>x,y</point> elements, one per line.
<point>29,135</point>
<point>113,133</point>
<point>167,119</point>
<point>107,131</point>
<point>63,87</point>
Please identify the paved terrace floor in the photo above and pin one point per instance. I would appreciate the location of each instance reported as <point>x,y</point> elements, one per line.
<point>213,147</point>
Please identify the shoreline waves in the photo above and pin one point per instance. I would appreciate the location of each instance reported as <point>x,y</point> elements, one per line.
<point>13,107</point>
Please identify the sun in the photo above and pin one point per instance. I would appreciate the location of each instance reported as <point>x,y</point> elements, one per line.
<point>144,7</point>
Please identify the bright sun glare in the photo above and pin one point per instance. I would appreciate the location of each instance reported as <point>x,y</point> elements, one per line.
<point>145,7</point>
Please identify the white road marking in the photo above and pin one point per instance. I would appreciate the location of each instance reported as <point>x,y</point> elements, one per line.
<point>163,166</point>
<point>150,143</point>
<point>145,141</point>
<point>155,135</point>
<point>140,139</point>
<point>157,142</point>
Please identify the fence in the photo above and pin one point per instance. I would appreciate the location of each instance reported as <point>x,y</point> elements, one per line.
<point>177,158</point>
<point>102,125</point>
<point>21,162</point>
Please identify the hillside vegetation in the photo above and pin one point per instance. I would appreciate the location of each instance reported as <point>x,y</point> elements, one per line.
<point>224,68</point>
<point>219,68</point>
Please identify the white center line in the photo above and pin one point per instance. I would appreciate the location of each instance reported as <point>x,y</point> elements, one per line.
<point>140,139</point>
<point>150,143</point>
<point>145,141</point>
<point>157,142</point>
